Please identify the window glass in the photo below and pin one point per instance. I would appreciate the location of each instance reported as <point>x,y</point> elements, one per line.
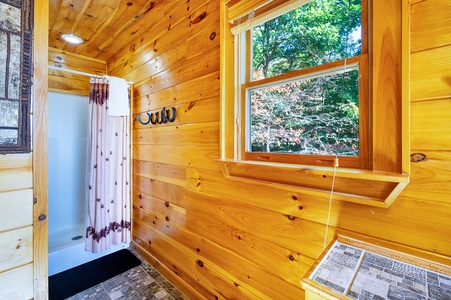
<point>303,95</point>
<point>308,116</point>
<point>315,33</point>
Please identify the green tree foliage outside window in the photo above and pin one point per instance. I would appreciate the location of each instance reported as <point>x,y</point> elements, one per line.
<point>314,114</point>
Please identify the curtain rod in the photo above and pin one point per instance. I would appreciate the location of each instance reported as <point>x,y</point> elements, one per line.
<point>78,72</point>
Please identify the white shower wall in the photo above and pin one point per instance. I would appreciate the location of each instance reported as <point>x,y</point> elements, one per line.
<point>67,172</point>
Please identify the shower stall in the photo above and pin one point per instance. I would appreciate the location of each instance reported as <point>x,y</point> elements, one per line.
<point>67,181</point>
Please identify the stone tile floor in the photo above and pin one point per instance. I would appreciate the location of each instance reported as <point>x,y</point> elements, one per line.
<point>139,283</point>
<point>364,275</point>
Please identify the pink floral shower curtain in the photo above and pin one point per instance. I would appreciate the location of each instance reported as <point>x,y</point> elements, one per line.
<point>108,220</point>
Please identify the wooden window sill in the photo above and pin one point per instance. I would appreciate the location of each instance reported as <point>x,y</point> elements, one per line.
<point>375,188</point>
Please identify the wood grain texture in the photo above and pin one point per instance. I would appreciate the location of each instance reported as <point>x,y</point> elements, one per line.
<point>224,261</point>
<point>430,74</point>
<point>13,202</point>
<point>70,83</point>
<point>239,229</point>
<point>276,232</point>
<point>433,15</point>
<point>14,161</point>
<point>16,247</point>
<point>17,283</point>
<point>40,178</point>
<point>151,44</point>
<point>15,179</point>
<point>431,178</point>
<point>386,86</point>
<point>431,124</point>
<point>189,289</point>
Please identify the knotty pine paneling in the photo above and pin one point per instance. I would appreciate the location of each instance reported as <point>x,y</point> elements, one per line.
<point>430,74</point>
<point>16,230</point>
<point>181,21</point>
<point>431,177</point>
<point>59,82</point>
<point>15,172</point>
<point>70,83</point>
<point>188,156</point>
<point>433,15</point>
<point>16,247</point>
<point>431,124</point>
<point>206,133</point>
<point>12,202</point>
<point>192,68</point>
<point>17,283</point>
<point>233,238</point>
<point>164,172</point>
<point>225,261</point>
<point>189,92</point>
<point>204,222</point>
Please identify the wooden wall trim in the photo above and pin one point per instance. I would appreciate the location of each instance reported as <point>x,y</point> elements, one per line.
<point>39,142</point>
<point>405,91</point>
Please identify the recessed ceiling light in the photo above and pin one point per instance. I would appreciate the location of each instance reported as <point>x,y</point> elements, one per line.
<point>71,38</point>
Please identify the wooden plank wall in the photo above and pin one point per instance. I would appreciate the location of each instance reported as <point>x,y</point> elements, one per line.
<point>224,239</point>
<point>23,182</point>
<point>16,230</point>
<point>70,83</point>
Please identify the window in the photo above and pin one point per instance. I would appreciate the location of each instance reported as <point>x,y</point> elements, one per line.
<point>15,75</point>
<point>303,83</point>
<point>365,123</point>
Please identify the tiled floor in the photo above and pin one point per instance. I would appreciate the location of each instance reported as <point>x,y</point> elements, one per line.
<point>141,282</point>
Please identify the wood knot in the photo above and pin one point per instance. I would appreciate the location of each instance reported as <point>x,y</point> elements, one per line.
<point>291,257</point>
<point>199,18</point>
<point>42,217</point>
<point>200,263</point>
<point>167,218</point>
<point>291,218</point>
<point>212,35</point>
<point>417,157</point>
<point>294,197</point>
<point>166,204</point>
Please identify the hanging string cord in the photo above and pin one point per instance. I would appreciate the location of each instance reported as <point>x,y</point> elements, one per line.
<point>336,164</point>
<point>330,200</point>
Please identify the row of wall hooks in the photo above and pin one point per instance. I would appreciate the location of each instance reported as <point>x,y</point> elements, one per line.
<point>159,117</point>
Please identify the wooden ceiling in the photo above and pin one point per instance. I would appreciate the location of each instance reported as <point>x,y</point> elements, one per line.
<point>104,25</point>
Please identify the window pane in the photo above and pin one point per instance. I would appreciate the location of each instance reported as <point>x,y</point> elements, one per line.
<point>319,32</point>
<point>9,113</point>
<point>14,68</point>
<point>309,116</point>
<point>8,136</point>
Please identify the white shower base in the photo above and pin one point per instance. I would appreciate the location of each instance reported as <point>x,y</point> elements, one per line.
<point>65,253</point>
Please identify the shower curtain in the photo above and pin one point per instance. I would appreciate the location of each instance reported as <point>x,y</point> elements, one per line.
<point>108,219</point>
